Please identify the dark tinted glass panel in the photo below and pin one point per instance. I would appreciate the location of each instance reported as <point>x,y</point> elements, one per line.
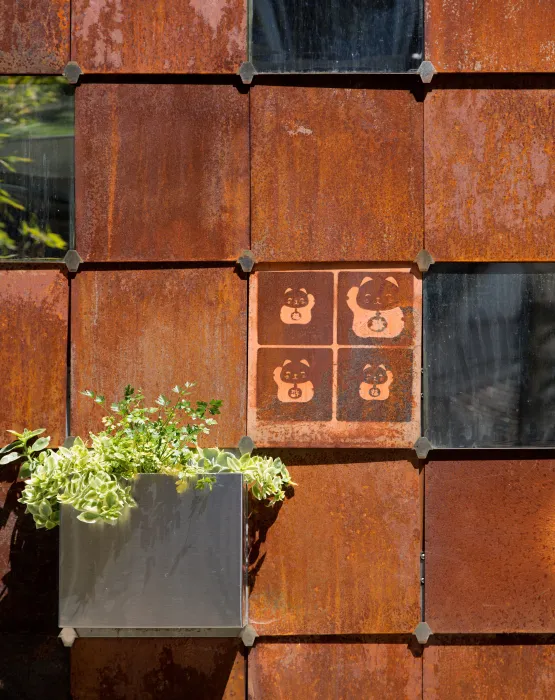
<point>36,167</point>
<point>489,355</point>
<point>336,35</point>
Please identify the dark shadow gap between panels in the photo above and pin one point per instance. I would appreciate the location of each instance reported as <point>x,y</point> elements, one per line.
<point>162,265</point>
<point>493,81</point>
<point>506,639</point>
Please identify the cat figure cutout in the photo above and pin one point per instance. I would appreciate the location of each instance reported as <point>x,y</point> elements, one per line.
<point>375,307</point>
<point>377,381</point>
<point>293,382</point>
<point>297,306</point>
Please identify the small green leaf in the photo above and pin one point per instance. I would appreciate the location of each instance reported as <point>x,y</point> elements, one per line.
<point>87,517</point>
<point>11,457</point>
<point>40,444</point>
<point>45,509</point>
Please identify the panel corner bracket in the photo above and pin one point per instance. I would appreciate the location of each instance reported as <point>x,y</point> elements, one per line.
<point>247,72</point>
<point>426,71</point>
<point>72,72</point>
<point>68,636</point>
<point>424,260</point>
<point>422,447</point>
<point>72,260</point>
<point>246,445</point>
<point>422,632</point>
<point>248,635</point>
<point>246,261</point>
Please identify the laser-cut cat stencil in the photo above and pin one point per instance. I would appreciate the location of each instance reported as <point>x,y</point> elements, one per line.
<point>375,305</point>
<point>377,380</point>
<point>297,306</point>
<point>293,382</point>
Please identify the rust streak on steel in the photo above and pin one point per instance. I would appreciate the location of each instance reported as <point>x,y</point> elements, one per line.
<point>157,328</point>
<point>490,174</point>
<point>154,668</point>
<point>168,36</point>
<point>34,36</point>
<point>490,546</point>
<point>493,36</point>
<point>336,174</point>
<point>33,351</point>
<point>470,670</point>
<point>162,172</point>
<point>341,556</point>
<point>333,671</point>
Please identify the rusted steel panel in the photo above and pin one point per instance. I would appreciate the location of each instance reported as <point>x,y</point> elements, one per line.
<point>490,174</point>
<point>34,36</point>
<point>33,352</point>
<point>334,357</point>
<point>157,328</point>
<point>162,172</point>
<point>28,567</point>
<point>490,546</point>
<point>511,672</point>
<point>493,36</point>
<point>333,671</point>
<point>336,174</point>
<point>168,36</point>
<point>341,555</point>
<point>149,669</point>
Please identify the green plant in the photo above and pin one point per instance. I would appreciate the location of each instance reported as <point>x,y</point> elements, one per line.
<point>97,479</point>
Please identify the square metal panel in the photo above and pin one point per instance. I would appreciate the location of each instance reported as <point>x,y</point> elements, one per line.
<point>157,328</point>
<point>334,357</point>
<point>148,668</point>
<point>167,36</point>
<point>336,174</point>
<point>330,36</point>
<point>34,36</point>
<point>33,352</point>
<point>519,671</point>
<point>489,355</point>
<point>493,36</point>
<point>333,670</point>
<point>176,560</point>
<point>490,174</point>
<point>341,556</point>
<point>162,172</point>
<point>490,546</point>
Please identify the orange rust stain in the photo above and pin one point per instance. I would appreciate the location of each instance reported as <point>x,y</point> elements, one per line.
<point>33,334</point>
<point>34,36</point>
<point>349,570</point>
<point>169,36</point>
<point>492,36</point>
<point>490,192</point>
<point>162,172</point>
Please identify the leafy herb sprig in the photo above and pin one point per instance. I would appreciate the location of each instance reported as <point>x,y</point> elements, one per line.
<point>162,439</point>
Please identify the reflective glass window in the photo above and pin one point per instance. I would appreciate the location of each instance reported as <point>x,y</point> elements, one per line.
<point>36,167</point>
<point>489,355</point>
<point>336,36</point>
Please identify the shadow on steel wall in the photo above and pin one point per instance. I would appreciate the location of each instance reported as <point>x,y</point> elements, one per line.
<point>33,662</point>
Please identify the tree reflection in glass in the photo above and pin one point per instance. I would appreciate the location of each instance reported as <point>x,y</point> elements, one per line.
<point>36,167</point>
<point>489,355</point>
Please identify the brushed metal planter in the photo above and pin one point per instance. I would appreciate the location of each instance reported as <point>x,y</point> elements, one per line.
<point>173,566</point>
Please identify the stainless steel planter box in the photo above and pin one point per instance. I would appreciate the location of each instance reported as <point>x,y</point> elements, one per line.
<point>175,561</point>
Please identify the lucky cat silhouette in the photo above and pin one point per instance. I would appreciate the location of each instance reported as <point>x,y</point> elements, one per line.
<point>377,380</point>
<point>376,307</point>
<point>297,306</point>
<point>293,381</point>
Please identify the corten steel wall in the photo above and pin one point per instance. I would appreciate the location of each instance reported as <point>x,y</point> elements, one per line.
<point>176,175</point>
